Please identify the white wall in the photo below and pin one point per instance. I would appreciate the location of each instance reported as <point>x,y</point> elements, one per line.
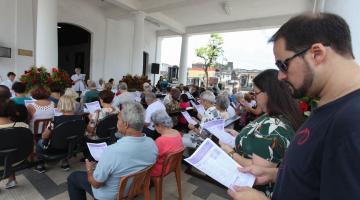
<point>16,32</point>
<point>119,43</point>
<point>111,40</point>
<point>89,17</point>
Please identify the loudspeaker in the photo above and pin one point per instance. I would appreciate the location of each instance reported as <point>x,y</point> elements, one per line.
<point>155,67</point>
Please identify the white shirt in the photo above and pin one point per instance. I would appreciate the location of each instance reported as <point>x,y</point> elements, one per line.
<point>155,106</point>
<point>8,83</point>
<point>167,99</point>
<point>79,85</point>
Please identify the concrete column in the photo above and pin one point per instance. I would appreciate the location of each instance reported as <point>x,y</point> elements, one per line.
<point>138,44</point>
<point>184,59</point>
<point>349,11</point>
<point>46,34</point>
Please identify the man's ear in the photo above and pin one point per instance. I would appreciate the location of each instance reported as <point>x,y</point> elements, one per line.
<point>318,52</point>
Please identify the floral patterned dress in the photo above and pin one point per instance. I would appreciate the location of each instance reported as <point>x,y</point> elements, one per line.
<point>267,137</point>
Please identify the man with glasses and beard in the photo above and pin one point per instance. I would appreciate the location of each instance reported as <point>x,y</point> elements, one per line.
<point>314,55</point>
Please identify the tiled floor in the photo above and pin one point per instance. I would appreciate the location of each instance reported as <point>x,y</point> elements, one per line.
<point>52,185</point>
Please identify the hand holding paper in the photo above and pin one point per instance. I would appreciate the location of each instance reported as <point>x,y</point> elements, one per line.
<point>92,107</point>
<point>214,162</point>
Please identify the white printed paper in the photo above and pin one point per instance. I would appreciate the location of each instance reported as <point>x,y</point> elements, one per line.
<point>188,118</point>
<point>92,107</point>
<point>28,102</point>
<point>216,127</point>
<point>199,108</point>
<point>96,149</point>
<point>214,162</point>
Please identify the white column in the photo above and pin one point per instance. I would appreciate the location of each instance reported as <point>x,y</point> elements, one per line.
<point>184,59</point>
<point>46,34</point>
<point>349,10</point>
<point>138,44</point>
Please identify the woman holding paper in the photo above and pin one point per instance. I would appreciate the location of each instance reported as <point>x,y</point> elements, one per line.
<point>264,140</point>
<point>197,134</point>
<point>170,140</point>
<point>106,97</point>
<point>66,106</point>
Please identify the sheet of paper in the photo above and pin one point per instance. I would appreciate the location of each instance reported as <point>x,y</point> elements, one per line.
<point>214,162</point>
<point>188,118</point>
<point>28,102</point>
<point>218,124</point>
<point>223,136</point>
<point>57,112</point>
<point>200,109</point>
<point>96,149</point>
<point>92,107</point>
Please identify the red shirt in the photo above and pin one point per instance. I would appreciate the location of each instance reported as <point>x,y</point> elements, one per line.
<point>181,119</point>
<point>165,146</point>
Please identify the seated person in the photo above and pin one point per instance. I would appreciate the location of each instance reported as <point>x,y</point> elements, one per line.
<point>153,106</point>
<point>43,108</point>
<point>106,97</point>
<point>66,106</point>
<point>222,103</point>
<point>92,94</point>
<point>71,93</point>
<point>170,140</point>
<point>197,134</point>
<point>20,96</point>
<point>123,97</point>
<point>174,104</point>
<point>131,153</point>
<point>55,94</point>
<point>184,103</point>
<point>7,111</point>
<point>167,97</point>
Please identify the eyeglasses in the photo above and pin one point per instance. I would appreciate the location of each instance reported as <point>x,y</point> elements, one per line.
<point>284,65</point>
<point>257,93</point>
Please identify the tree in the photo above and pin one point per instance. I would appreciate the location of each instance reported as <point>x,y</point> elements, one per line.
<point>211,53</point>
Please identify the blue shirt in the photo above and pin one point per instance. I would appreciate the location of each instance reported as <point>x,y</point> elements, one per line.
<point>127,155</point>
<point>322,162</point>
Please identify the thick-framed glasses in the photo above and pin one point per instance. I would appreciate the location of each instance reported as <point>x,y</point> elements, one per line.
<point>284,65</point>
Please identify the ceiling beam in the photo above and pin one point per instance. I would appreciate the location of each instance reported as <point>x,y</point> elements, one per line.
<point>164,5</point>
<point>129,5</point>
<point>172,24</point>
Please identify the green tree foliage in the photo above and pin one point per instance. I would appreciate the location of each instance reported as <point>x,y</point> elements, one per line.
<point>210,53</point>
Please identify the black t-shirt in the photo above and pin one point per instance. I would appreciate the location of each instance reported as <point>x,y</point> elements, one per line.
<point>323,160</point>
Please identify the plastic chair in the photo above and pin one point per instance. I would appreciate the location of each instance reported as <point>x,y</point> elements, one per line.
<point>39,127</point>
<point>140,184</point>
<point>172,163</point>
<point>15,146</point>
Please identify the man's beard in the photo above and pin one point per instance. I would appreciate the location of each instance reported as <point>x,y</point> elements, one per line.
<point>306,84</point>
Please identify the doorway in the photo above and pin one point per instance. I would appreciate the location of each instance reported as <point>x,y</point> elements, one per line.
<point>74,48</point>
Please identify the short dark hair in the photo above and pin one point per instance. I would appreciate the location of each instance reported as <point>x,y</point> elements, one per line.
<point>280,101</point>
<point>55,87</point>
<point>184,98</point>
<point>40,92</point>
<point>4,92</point>
<point>11,74</point>
<point>107,96</point>
<point>19,87</point>
<point>302,31</point>
<point>7,108</point>
<point>111,80</point>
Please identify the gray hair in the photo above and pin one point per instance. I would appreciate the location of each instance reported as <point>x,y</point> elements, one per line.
<point>133,114</point>
<point>160,117</point>
<point>208,96</point>
<point>123,86</point>
<point>150,96</point>
<point>223,102</point>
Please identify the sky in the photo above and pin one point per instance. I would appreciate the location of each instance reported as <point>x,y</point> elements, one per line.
<point>246,49</point>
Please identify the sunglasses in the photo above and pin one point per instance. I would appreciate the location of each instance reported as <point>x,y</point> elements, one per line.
<point>284,65</point>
